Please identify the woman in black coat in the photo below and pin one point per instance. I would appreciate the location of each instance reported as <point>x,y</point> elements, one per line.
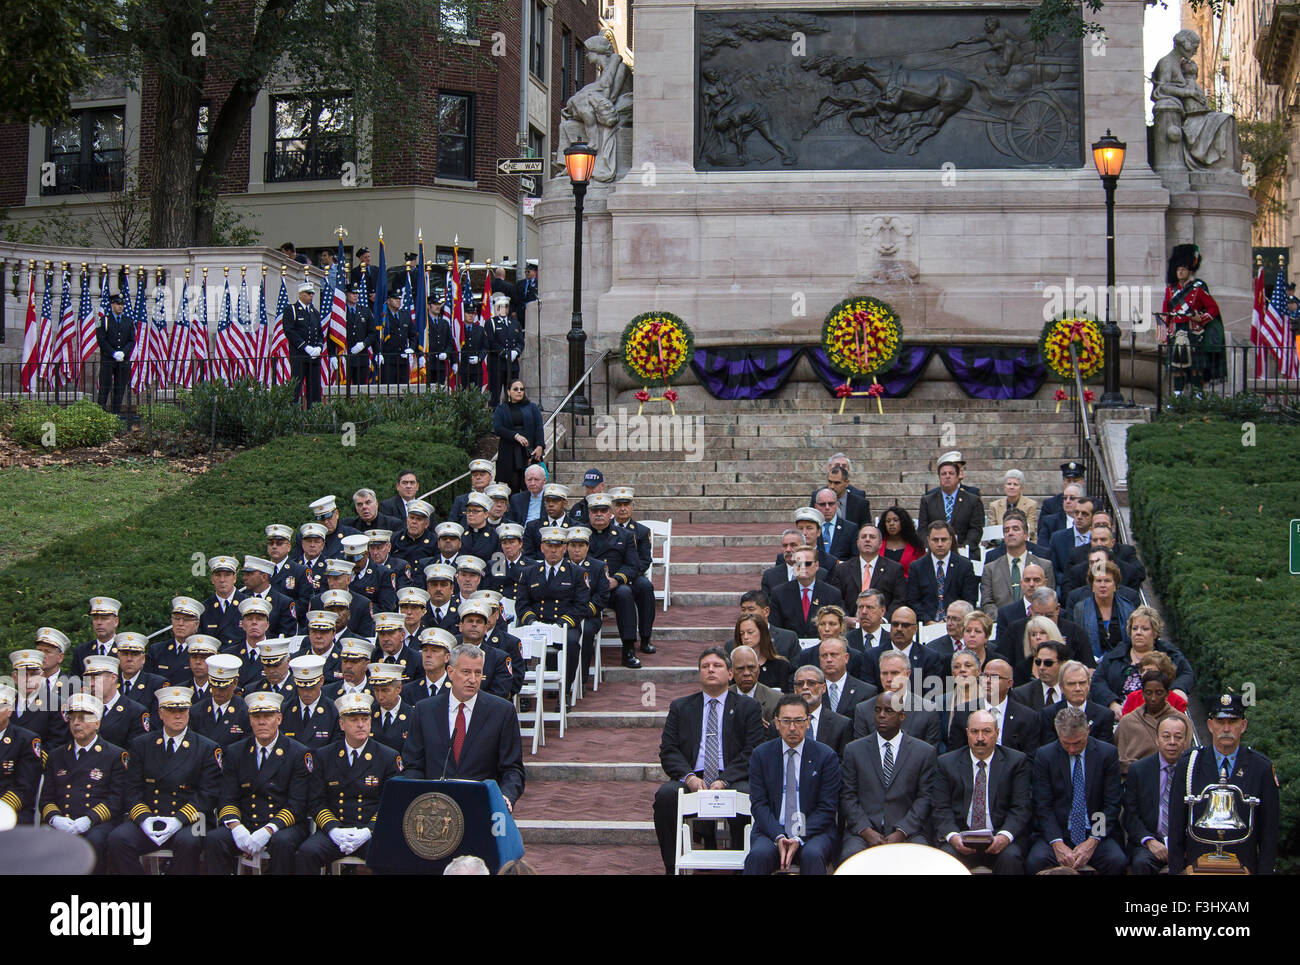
<point>518,424</point>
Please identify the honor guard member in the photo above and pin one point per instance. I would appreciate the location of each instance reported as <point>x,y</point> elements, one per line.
<point>255,617</point>
<point>593,481</point>
<point>273,655</point>
<point>556,591</point>
<point>579,543</point>
<point>222,716</point>
<point>309,718</point>
<point>481,473</point>
<point>469,575</point>
<point>105,615</point>
<point>137,683</point>
<point>391,716</point>
<point>505,345</point>
<point>263,801</point>
<point>363,337</point>
<point>499,493</point>
<point>473,353</point>
<point>115,336</point>
<point>84,780</point>
<point>479,538</point>
<point>122,720</point>
<point>555,499</point>
<point>443,601</point>
<point>435,646</point>
<point>311,553</point>
<point>498,674</point>
<point>167,658</point>
<point>288,577</point>
<point>415,542</point>
<point>200,647</point>
<point>622,566</point>
<point>413,605</point>
<point>173,779</point>
<point>373,582</point>
<point>306,342</point>
<point>391,648</point>
<point>441,360</point>
<point>363,267</point>
<point>643,591</point>
<point>220,616</point>
<point>346,786</point>
<point>354,663</point>
<point>21,759</point>
<point>321,641</point>
<point>500,637</point>
<point>283,619</point>
<point>508,564</point>
<point>397,346</point>
<point>1225,761</point>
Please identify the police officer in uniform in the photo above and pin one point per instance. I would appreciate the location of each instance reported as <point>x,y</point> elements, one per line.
<point>1226,761</point>
<point>263,801</point>
<point>173,777</point>
<point>391,715</point>
<point>363,337</point>
<point>309,719</point>
<point>622,566</point>
<point>306,343</point>
<point>397,345</point>
<point>115,336</point>
<point>222,715</point>
<point>505,345</point>
<point>104,619</point>
<point>122,720</point>
<point>85,780</point>
<point>345,788</point>
<point>441,360</point>
<point>556,591</point>
<point>21,760</point>
<point>643,591</point>
<point>287,576</point>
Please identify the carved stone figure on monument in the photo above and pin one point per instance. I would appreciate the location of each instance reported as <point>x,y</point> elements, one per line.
<point>731,123</point>
<point>596,112</point>
<point>1187,133</point>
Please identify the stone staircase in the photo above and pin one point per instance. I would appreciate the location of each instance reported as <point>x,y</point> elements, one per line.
<point>587,806</point>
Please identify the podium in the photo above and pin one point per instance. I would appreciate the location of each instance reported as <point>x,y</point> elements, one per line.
<point>423,825</point>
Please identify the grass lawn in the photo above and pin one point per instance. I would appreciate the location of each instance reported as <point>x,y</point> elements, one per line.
<point>43,504</point>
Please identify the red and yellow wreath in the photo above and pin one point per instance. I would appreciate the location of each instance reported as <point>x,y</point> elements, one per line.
<point>655,347</point>
<point>1082,332</point>
<point>861,337</point>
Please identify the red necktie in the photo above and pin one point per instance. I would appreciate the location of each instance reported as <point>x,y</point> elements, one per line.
<point>458,739</point>
<point>806,602</point>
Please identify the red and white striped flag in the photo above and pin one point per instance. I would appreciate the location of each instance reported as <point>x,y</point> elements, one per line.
<point>180,343</point>
<point>146,350</point>
<point>65,355</point>
<point>45,336</point>
<point>278,350</point>
<point>232,341</point>
<point>31,336</point>
<point>1270,328</point>
<point>89,316</point>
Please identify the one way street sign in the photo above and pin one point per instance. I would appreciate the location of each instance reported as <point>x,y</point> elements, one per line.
<point>520,165</point>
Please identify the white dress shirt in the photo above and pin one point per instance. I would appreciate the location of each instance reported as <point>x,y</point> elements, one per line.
<point>895,742</point>
<point>999,712</point>
<point>704,729</point>
<point>453,705</point>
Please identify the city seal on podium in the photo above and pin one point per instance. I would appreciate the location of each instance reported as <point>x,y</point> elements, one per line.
<point>433,826</point>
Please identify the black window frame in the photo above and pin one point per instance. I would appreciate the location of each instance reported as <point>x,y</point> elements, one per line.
<point>324,155</point>
<point>566,65</point>
<point>86,173</point>
<point>537,40</point>
<point>465,172</point>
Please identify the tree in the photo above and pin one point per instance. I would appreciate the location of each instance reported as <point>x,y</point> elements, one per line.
<point>1066,16</point>
<point>45,57</point>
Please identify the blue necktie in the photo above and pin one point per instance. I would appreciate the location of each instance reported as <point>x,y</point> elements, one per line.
<point>948,502</point>
<point>1078,807</point>
<point>827,529</point>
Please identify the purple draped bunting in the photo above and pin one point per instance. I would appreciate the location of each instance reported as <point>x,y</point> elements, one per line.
<point>743,371</point>
<point>897,382</point>
<point>993,372</point>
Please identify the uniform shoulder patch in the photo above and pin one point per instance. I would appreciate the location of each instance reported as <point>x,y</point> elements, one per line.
<point>144,720</point>
<point>126,757</point>
<point>217,755</point>
<point>307,762</point>
<point>400,765</point>
<point>36,746</point>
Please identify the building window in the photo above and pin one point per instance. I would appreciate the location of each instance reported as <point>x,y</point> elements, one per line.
<point>579,65</point>
<point>536,148</point>
<point>566,65</point>
<point>312,137</point>
<point>456,136</point>
<point>455,20</point>
<point>201,133</point>
<point>86,151</point>
<point>537,41</point>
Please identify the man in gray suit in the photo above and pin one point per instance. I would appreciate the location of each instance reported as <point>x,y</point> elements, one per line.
<point>1000,584</point>
<point>924,721</point>
<point>888,783</point>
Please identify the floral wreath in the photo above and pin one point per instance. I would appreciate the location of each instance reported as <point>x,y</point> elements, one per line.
<point>861,336</point>
<point>1085,334</point>
<point>655,347</point>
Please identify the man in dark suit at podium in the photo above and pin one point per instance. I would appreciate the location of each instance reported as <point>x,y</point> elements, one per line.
<point>465,735</point>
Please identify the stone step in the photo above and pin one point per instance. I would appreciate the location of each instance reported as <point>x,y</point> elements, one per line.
<point>817,399</point>
<point>583,771</point>
<point>813,416</point>
<point>657,675</point>
<point>762,534</point>
<point>559,801</point>
<point>720,554</point>
<point>809,445</point>
<point>615,718</point>
<point>706,569</point>
<point>588,859</point>
<point>587,832</point>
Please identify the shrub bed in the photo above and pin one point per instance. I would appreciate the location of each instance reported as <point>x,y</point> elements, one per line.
<point>40,425</point>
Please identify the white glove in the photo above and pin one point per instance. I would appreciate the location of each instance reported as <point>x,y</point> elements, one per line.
<point>242,838</point>
<point>455,368</point>
<point>379,360</point>
<point>358,348</point>
<point>513,355</point>
<point>81,825</point>
<point>164,828</point>
<point>313,351</point>
<point>118,356</point>
<point>472,360</point>
<point>360,836</point>
<point>60,823</point>
<point>442,356</point>
<point>341,838</point>
<point>258,840</point>
<point>410,352</point>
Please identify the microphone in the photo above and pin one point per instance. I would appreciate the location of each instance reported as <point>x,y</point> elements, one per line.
<point>443,776</point>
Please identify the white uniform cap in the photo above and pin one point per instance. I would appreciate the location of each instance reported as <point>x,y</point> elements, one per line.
<point>420,508</point>
<point>389,621</point>
<point>55,638</point>
<point>481,465</point>
<point>307,669</point>
<point>324,507</point>
<point>480,607</point>
<point>810,514</point>
<point>105,604</point>
<point>481,500</point>
<point>358,702</point>
<point>555,491</point>
<point>313,529</point>
<point>175,698</point>
<point>264,702</point>
<point>413,594</point>
<point>510,531</point>
<point>223,563</point>
<point>279,531</point>
<point>255,604</point>
<point>437,637</point>
<point>200,644</point>
<point>336,598</point>
<point>86,703</point>
<point>355,545</point>
<point>339,568</point>
<point>471,563</point>
<point>99,664</point>
<point>321,620</point>
<point>258,565</point>
<point>187,605</point>
<point>224,667</point>
<point>385,673</point>
<point>450,529</point>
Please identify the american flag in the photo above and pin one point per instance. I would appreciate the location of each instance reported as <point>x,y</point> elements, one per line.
<point>261,336</point>
<point>179,345</point>
<point>1270,329</point>
<point>146,355</point>
<point>199,334</point>
<point>453,309</point>
<point>232,341</point>
<point>336,330</point>
<point>278,352</point>
<point>161,369</point>
<point>65,360</point>
<point>31,336</point>
<point>364,294</point>
<point>244,315</point>
<point>89,319</point>
<point>46,335</point>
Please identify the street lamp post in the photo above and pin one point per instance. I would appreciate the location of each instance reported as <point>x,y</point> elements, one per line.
<point>579,159</point>
<point>1108,155</point>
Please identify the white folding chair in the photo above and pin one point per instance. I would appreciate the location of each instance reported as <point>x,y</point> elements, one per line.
<point>663,532</point>
<point>933,631</point>
<point>336,867</point>
<point>532,646</point>
<point>508,610</point>
<point>687,858</point>
<point>597,669</point>
<point>807,643</point>
<point>153,861</point>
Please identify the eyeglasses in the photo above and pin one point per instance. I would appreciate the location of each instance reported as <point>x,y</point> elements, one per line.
<point>791,721</point>
<point>1044,663</point>
<point>803,566</point>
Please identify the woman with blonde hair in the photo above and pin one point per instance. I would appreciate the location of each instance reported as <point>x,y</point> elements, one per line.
<point>1037,629</point>
<point>1120,673</point>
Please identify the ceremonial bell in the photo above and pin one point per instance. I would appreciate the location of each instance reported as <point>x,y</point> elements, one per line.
<point>1220,825</point>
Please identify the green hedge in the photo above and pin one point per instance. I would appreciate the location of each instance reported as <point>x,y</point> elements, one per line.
<point>249,414</point>
<point>1212,513</point>
<point>147,558</point>
<point>75,426</point>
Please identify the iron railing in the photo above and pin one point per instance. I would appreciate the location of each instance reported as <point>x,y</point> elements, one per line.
<point>321,162</point>
<point>1245,370</point>
<point>75,177</point>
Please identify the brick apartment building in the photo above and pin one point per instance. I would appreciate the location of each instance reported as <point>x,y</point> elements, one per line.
<point>284,178</point>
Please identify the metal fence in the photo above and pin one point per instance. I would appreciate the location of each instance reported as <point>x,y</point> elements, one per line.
<point>1241,370</point>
